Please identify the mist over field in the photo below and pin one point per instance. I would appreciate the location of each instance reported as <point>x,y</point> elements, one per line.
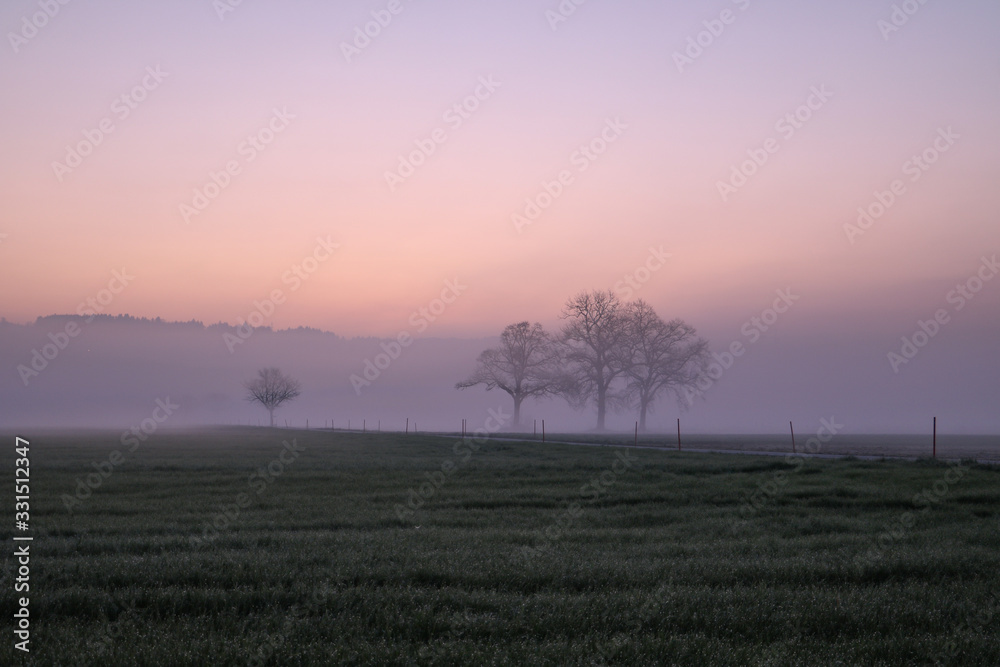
<point>533,332</point>
<point>112,372</point>
<point>809,188</point>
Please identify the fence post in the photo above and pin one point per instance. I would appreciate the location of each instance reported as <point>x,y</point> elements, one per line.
<point>364,425</point>
<point>636,443</point>
<point>793,436</point>
<point>407,426</point>
<point>678,434</point>
<point>935,437</point>
<point>543,430</point>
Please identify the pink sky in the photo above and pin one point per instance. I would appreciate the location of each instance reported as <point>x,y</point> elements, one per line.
<point>655,186</point>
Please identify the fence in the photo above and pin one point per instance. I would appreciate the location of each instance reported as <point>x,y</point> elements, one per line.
<point>831,444</point>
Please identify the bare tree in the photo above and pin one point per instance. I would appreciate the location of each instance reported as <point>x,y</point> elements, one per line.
<point>271,388</point>
<point>663,356</point>
<point>524,365</point>
<point>595,340</point>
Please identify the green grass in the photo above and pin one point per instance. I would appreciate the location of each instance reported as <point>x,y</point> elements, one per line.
<point>664,562</point>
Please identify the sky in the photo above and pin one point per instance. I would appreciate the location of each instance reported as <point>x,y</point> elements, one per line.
<point>199,160</point>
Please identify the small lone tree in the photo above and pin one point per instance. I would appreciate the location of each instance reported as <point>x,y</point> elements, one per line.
<point>525,364</point>
<point>271,388</point>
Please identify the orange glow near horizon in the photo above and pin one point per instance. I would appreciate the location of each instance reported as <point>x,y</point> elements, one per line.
<point>344,125</point>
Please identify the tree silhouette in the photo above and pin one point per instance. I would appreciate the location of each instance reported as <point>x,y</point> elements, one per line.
<point>595,340</point>
<point>525,364</point>
<point>271,388</point>
<point>663,356</point>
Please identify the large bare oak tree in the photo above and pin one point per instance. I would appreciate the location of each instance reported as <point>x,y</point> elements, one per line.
<point>662,357</point>
<point>524,365</point>
<point>595,346</point>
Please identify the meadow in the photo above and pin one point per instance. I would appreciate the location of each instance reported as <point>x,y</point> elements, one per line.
<point>385,549</point>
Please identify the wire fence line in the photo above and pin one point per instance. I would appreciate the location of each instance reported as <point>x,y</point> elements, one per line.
<point>932,445</point>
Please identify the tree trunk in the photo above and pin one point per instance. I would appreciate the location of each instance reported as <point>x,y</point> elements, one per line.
<point>271,412</point>
<point>517,411</point>
<point>642,415</point>
<point>601,408</point>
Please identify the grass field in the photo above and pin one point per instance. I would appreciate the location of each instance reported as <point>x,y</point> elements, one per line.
<point>420,550</point>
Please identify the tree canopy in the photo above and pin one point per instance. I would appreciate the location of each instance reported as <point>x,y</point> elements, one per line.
<point>271,388</point>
